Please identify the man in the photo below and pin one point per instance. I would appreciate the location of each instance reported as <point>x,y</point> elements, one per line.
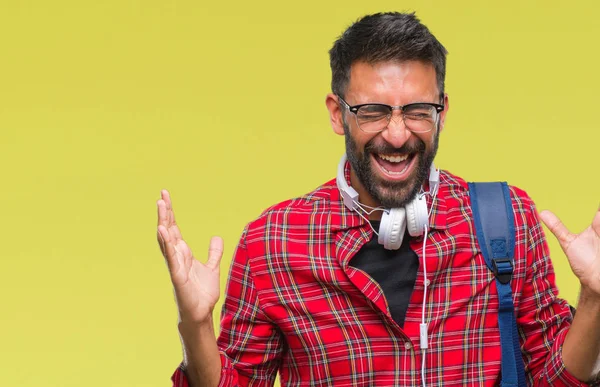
<point>313,295</point>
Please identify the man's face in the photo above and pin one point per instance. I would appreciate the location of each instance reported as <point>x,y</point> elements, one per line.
<point>390,165</point>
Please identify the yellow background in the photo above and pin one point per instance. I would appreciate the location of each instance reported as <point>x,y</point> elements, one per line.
<point>103,103</point>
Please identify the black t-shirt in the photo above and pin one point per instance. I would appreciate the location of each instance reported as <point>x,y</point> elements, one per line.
<point>394,270</point>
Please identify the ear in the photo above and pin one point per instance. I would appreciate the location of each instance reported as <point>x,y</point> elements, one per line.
<point>335,113</point>
<point>444,112</point>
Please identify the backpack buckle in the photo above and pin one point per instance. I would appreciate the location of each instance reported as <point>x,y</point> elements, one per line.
<point>503,269</point>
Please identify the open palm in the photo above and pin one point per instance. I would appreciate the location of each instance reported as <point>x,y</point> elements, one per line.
<point>196,284</point>
<point>582,250</point>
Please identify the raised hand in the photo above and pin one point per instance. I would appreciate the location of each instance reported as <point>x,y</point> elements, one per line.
<point>196,284</point>
<point>582,250</point>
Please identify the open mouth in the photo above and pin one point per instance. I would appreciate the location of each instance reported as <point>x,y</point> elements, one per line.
<point>395,166</point>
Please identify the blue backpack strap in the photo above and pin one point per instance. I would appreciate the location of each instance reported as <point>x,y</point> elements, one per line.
<point>495,228</point>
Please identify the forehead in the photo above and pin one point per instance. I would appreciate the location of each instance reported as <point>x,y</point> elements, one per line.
<point>392,82</point>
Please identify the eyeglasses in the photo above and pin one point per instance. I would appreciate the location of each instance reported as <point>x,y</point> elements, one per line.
<point>418,117</point>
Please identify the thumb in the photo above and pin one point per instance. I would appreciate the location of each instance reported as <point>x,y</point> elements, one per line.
<point>557,227</point>
<point>215,252</point>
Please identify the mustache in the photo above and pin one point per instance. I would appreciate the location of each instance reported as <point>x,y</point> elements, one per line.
<point>407,148</point>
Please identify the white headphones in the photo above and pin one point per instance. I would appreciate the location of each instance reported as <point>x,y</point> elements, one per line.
<point>395,221</point>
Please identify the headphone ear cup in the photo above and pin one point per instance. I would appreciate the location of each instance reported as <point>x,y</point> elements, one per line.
<point>392,228</point>
<point>417,216</point>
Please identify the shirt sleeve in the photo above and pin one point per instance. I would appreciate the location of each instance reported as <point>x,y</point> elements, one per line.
<point>249,343</point>
<point>543,318</point>
<point>228,375</point>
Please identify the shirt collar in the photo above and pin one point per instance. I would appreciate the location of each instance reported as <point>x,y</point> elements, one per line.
<point>342,218</point>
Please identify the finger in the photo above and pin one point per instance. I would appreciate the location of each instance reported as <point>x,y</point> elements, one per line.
<point>215,252</point>
<point>164,220</point>
<point>172,231</point>
<point>171,254</point>
<point>185,252</point>
<point>559,230</point>
<point>164,239</point>
<point>170,222</point>
<point>161,242</point>
<point>166,196</point>
<point>175,233</point>
<point>162,213</point>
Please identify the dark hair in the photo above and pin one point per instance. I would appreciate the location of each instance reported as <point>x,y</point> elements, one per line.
<point>381,37</point>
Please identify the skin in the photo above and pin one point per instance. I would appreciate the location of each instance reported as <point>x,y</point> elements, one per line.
<point>395,83</point>
<point>197,290</point>
<point>196,284</point>
<point>581,348</point>
<point>391,83</point>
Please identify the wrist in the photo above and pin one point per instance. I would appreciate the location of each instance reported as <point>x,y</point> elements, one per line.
<point>589,299</point>
<point>198,316</point>
<point>201,358</point>
<point>187,327</point>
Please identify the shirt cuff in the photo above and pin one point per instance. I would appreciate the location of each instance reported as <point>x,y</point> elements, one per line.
<point>556,372</point>
<point>229,377</point>
<point>179,379</point>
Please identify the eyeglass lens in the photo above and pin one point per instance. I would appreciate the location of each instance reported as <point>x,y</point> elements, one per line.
<point>417,117</point>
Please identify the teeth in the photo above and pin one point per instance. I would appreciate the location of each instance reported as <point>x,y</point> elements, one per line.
<point>395,173</point>
<point>393,159</point>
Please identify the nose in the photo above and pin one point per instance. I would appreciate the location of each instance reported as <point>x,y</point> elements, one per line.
<point>396,133</point>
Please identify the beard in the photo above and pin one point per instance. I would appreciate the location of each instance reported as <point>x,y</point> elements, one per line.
<point>390,194</point>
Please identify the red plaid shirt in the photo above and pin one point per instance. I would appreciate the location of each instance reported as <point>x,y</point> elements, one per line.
<point>294,304</point>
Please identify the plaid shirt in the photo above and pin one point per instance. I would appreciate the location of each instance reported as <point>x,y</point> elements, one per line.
<point>294,304</point>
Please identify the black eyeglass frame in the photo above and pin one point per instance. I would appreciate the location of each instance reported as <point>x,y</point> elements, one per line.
<point>354,109</point>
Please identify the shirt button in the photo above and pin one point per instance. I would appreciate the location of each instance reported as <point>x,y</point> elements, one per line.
<point>427,282</point>
<point>407,345</point>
